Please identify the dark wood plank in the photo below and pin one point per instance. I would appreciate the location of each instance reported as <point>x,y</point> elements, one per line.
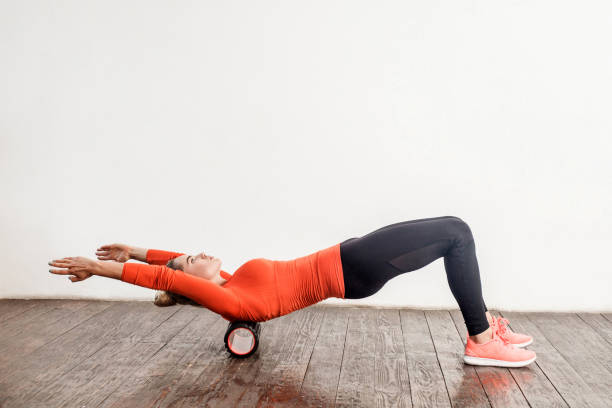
<point>355,385</point>
<point>462,382</point>
<point>535,386</point>
<point>46,311</point>
<point>176,326</point>
<point>575,342</point>
<point>37,359</point>
<point>94,379</point>
<point>10,308</point>
<point>498,382</point>
<point>374,370</point>
<point>398,387</point>
<point>534,383</point>
<point>14,327</point>
<point>588,337</point>
<point>232,378</point>
<point>237,382</point>
<point>132,354</point>
<point>323,372</point>
<point>599,323</point>
<point>46,328</point>
<point>183,356</point>
<point>392,382</point>
<point>566,381</point>
<point>285,379</point>
<point>427,385</point>
<point>128,321</point>
<point>269,387</point>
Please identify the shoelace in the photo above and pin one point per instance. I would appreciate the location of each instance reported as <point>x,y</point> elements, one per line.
<point>501,329</point>
<point>502,325</point>
<point>496,337</point>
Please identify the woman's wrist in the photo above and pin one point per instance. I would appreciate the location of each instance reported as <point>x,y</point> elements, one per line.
<point>108,269</point>
<point>139,254</point>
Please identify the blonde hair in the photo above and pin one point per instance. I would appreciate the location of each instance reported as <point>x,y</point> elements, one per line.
<point>166,298</point>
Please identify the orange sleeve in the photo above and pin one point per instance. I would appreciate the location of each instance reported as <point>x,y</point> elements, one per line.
<point>159,257</point>
<point>212,296</point>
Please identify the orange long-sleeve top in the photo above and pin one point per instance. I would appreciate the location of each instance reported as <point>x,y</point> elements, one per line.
<point>259,290</point>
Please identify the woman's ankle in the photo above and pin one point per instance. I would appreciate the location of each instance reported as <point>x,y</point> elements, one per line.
<point>483,337</point>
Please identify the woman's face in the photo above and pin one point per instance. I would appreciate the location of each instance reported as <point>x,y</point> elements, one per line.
<point>202,265</point>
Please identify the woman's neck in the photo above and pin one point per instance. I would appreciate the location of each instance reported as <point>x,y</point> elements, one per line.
<point>218,280</point>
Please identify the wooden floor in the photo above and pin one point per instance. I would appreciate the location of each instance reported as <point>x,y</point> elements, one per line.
<point>56,353</point>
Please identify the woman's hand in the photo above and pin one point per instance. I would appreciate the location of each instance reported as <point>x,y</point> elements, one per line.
<point>81,268</point>
<point>114,252</point>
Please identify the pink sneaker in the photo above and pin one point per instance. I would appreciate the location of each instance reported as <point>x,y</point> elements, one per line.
<point>518,339</point>
<point>497,352</point>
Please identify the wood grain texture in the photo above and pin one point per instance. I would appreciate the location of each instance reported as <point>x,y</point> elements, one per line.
<point>42,311</point>
<point>427,385</point>
<point>320,384</point>
<point>599,323</point>
<point>127,358</point>
<point>10,308</point>
<point>67,353</point>
<point>581,347</point>
<point>285,379</point>
<point>37,332</point>
<point>374,370</point>
<point>128,321</point>
<point>462,381</point>
<point>560,373</point>
<point>498,383</point>
<point>177,365</point>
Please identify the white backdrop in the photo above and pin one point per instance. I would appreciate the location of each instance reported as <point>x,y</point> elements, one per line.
<point>277,128</point>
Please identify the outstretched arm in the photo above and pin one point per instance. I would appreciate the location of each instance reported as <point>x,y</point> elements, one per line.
<point>210,295</point>
<point>159,257</point>
<point>123,253</point>
<point>81,268</point>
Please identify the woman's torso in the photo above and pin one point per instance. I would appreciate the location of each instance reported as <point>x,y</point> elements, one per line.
<point>269,288</point>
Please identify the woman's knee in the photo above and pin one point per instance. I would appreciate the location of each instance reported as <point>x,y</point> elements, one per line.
<point>459,227</point>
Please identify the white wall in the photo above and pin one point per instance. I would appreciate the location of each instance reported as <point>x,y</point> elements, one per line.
<point>277,128</point>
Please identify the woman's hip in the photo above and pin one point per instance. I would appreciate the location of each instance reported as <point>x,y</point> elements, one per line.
<point>369,261</point>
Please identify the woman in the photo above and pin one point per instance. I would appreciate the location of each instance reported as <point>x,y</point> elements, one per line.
<point>262,289</point>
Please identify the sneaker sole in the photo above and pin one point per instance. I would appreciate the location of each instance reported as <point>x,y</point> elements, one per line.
<point>492,362</point>
<point>525,344</point>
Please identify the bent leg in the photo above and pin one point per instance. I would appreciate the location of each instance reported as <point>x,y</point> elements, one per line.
<point>371,260</point>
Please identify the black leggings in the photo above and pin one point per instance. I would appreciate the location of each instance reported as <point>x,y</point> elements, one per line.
<point>368,262</point>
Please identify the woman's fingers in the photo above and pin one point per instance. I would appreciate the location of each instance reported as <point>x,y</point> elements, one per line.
<point>67,260</point>
<point>67,264</point>
<point>79,267</point>
<point>75,275</point>
<point>61,263</point>
<point>104,248</point>
<point>60,271</point>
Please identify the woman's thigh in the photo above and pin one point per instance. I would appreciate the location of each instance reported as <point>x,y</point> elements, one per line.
<point>369,261</point>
